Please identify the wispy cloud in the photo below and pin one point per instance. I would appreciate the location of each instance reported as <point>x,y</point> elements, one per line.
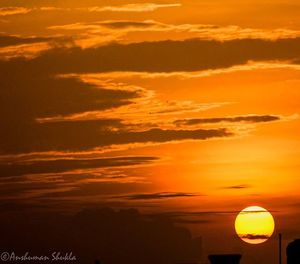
<point>63,165</point>
<point>117,30</point>
<point>154,196</point>
<point>201,31</point>
<point>13,10</point>
<point>146,111</point>
<point>253,236</point>
<point>237,187</point>
<point>14,46</point>
<point>102,113</point>
<point>12,40</point>
<point>28,51</point>
<point>30,179</point>
<point>158,56</point>
<point>234,119</point>
<point>182,75</point>
<point>86,115</point>
<point>175,214</point>
<point>139,7</point>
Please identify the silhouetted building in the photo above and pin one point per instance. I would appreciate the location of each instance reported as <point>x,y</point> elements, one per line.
<point>293,252</point>
<point>225,259</point>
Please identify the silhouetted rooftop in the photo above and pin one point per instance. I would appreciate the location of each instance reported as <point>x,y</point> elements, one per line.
<point>293,252</point>
<point>225,259</point>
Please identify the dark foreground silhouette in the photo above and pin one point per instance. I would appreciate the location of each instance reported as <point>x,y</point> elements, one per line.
<point>124,236</point>
<point>225,259</point>
<point>293,252</point>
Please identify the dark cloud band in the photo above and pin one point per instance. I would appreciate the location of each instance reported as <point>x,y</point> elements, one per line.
<point>236,119</point>
<point>62,165</point>
<point>162,56</point>
<point>153,196</point>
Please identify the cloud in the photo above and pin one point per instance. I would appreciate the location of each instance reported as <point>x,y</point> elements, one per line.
<point>238,187</point>
<point>44,95</point>
<point>39,122</point>
<point>53,136</point>
<point>139,7</point>
<point>154,196</point>
<point>194,213</point>
<point>27,51</point>
<point>144,112</point>
<point>58,108</point>
<point>161,240</point>
<point>66,114</point>
<point>29,47</point>
<point>13,10</point>
<point>193,217</point>
<point>40,95</point>
<point>248,119</point>
<point>10,40</point>
<point>180,31</point>
<point>191,55</point>
<point>199,215</point>
<point>182,75</point>
<point>130,31</point>
<point>63,165</point>
<point>253,236</point>
<point>71,178</point>
<point>27,190</point>
<point>121,24</point>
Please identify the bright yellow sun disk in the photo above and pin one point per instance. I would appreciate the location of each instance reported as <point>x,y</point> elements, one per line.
<point>254,225</point>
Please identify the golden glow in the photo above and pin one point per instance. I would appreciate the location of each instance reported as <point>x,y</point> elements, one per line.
<point>254,225</point>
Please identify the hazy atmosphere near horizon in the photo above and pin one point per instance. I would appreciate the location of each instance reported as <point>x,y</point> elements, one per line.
<point>136,131</point>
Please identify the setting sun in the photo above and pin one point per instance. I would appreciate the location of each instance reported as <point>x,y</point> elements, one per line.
<point>254,225</point>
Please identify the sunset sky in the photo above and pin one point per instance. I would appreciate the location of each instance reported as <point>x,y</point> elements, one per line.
<point>184,109</point>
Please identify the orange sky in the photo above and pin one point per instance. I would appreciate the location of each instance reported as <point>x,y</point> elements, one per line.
<point>195,103</point>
